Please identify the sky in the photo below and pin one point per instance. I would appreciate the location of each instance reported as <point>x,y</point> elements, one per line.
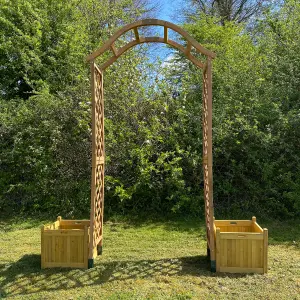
<point>166,13</point>
<point>168,8</point>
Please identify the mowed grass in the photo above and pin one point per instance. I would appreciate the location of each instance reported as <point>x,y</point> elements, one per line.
<point>146,260</point>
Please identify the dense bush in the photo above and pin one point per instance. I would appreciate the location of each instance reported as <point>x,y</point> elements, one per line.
<point>153,130</point>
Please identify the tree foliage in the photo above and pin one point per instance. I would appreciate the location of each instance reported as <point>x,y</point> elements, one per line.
<point>227,10</point>
<point>153,130</point>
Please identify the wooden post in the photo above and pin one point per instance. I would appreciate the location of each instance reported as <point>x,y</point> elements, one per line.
<point>207,160</point>
<point>100,244</point>
<point>210,160</point>
<point>93,181</point>
<point>97,184</point>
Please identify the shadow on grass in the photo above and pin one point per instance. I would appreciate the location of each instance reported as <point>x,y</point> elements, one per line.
<point>25,277</point>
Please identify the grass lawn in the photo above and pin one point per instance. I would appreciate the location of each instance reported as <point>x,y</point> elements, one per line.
<point>146,260</point>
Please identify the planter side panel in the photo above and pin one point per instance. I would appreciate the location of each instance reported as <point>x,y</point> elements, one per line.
<point>241,253</point>
<point>64,248</point>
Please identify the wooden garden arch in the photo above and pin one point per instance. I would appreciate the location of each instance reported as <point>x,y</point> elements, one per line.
<point>98,150</point>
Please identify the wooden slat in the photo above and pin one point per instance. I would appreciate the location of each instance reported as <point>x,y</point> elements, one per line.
<point>64,265</point>
<point>257,228</point>
<point>136,33</point>
<point>150,22</point>
<point>224,253</point>
<point>65,232</point>
<point>241,270</point>
<point>166,34</point>
<point>265,255</point>
<point>229,253</point>
<point>155,39</point>
<point>42,248</point>
<point>218,250</point>
<point>68,249</point>
<point>233,252</point>
<point>86,246</point>
<point>254,254</point>
<point>241,235</point>
<point>114,50</point>
<point>243,253</point>
<point>75,222</point>
<point>233,223</point>
<point>188,48</point>
<point>249,253</point>
<point>80,251</point>
<point>53,250</point>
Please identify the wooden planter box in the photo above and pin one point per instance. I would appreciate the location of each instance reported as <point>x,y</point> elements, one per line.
<point>241,246</point>
<point>65,243</point>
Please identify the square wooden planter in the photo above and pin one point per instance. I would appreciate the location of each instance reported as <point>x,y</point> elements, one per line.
<point>241,246</point>
<point>65,243</point>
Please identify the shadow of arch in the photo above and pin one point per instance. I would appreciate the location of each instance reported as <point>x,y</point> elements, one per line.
<point>25,277</point>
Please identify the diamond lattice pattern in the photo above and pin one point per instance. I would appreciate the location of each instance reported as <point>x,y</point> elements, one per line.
<point>98,161</point>
<point>207,192</point>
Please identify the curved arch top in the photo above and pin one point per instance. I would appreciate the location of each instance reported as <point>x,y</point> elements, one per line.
<point>191,42</point>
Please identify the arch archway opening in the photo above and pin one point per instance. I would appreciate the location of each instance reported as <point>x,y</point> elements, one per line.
<point>98,149</point>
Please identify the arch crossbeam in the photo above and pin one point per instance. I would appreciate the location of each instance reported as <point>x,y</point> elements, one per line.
<point>190,42</point>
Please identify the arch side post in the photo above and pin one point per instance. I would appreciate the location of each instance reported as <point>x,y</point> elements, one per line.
<point>97,182</point>
<point>93,179</point>
<point>207,161</point>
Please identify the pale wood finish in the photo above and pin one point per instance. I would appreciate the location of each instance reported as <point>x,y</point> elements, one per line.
<point>151,39</point>
<point>218,247</point>
<point>98,161</point>
<point>65,245</point>
<point>97,185</point>
<point>150,22</point>
<point>265,233</point>
<point>241,270</point>
<point>188,48</point>
<point>207,156</point>
<point>136,34</point>
<point>166,37</point>
<point>114,50</point>
<point>241,246</point>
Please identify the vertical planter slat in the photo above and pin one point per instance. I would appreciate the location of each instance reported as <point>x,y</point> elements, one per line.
<point>241,246</point>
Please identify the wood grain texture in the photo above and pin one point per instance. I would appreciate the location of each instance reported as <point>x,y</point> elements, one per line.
<point>240,247</point>
<point>151,39</point>
<point>65,247</point>
<point>98,160</point>
<point>207,156</point>
<point>98,153</point>
<point>150,22</point>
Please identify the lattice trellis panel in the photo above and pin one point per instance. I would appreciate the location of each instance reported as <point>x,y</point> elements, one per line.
<point>207,156</point>
<point>97,186</point>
